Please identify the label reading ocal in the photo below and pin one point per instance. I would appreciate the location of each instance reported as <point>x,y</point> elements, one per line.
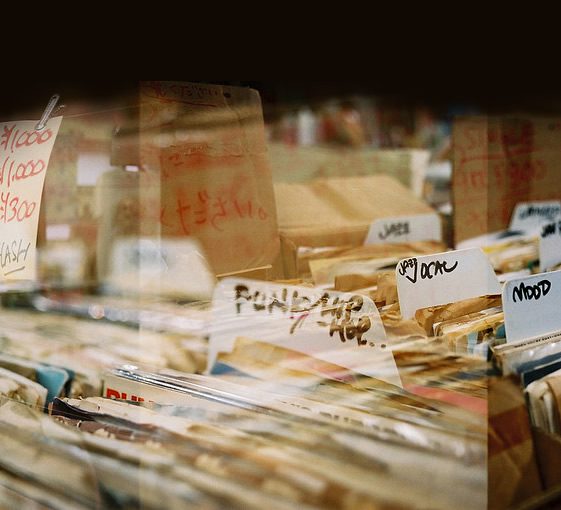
<point>403,229</point>
<point>529,217</point>
<point>443,278</point>
<point>531,306</point>
<point>341,328</point>
<point>550,245</point>
<point>24,157</point>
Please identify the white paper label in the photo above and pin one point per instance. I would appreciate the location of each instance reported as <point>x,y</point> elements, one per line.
<point>121,388</point>
<point>443,278</point>
<point>161,266</point>
<point>404,229</point>
<point>531,306</point>
<point>341,328</point>
<point>550,245</point>
<point>528,217</point>
<point>24,158</point>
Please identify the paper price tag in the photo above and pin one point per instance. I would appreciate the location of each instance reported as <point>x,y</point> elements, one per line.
<point>550,245</point>
<point>341,328</point>
<point>24,158</point>
<point>443,278</point>
<point>529,217</point>
<point>403,229</point>
<point>531,306</point>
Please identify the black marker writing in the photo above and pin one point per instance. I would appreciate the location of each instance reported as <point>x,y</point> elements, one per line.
<point>548,211</point>
<point>550,229</point>
<point>527,292</point>
<point>343,312</point>
<point>394,229</point>
<point>410,269</point>
<point>13,253</point>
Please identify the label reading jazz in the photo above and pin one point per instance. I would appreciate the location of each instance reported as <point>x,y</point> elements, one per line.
<point>24,157</point>
<point>341,328</point>
<point>550,245</point>
<point>528,217</point>
<point>443,278</point>
<point>403,229</point>
<point>531,306</point>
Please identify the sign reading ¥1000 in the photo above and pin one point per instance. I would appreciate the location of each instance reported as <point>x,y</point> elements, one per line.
<point>24,157</point>
<point>341,328</point>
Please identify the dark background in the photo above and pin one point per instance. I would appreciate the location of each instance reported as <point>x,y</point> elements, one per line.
<point>27,99</point>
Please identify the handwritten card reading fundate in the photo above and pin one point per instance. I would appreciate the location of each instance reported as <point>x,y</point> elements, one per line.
<point>443,278</point>
<point>341,328</point>
<point>24,157</point>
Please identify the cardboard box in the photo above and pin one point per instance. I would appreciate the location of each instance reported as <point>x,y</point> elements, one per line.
<point>337,212</point>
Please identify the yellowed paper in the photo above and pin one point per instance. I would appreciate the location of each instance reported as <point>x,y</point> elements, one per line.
<point>24,158</point>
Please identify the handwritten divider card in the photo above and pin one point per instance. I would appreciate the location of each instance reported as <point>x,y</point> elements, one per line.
<point>404,229</point>
<point>24,158</point>
<point>499,162</point>
<point>204,147</point>
<point>341,328</point>
<point>550,245</point>
<point>531,306</point>
<point>528,217</point>
<point>443,278</point>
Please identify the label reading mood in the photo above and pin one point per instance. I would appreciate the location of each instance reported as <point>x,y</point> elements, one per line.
<point>24,157</point>
<point>402,229</point>
<point>550,245</point>
<point>531,306</point>
<point>443,278</point>
<point>528,217</point>
<point>342,328</point>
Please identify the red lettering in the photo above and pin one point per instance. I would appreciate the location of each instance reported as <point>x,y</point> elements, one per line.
<point>111,393</point>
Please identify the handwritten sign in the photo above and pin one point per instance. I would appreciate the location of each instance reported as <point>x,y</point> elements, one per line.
<point>531,306</point>
<point>499,162</point>
<point>342,328</point>
<point>550,245</point>
<point>528,217</point>
<point>24,157</point>
<point>171,267</point>
<point>204,150</point>
<point>443,278</point>
<point>404,229</point>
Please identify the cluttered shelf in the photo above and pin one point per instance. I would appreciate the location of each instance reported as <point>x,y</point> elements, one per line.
<point>201,310</point>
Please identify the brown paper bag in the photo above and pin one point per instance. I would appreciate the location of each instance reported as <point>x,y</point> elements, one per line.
<point>499,162</point>
<point>206,172</point>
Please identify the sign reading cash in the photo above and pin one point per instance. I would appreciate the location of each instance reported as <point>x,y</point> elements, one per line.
<point>443,278</point>
<point>24,157</point>
<point>531,306</point>
<point>341,328</point>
